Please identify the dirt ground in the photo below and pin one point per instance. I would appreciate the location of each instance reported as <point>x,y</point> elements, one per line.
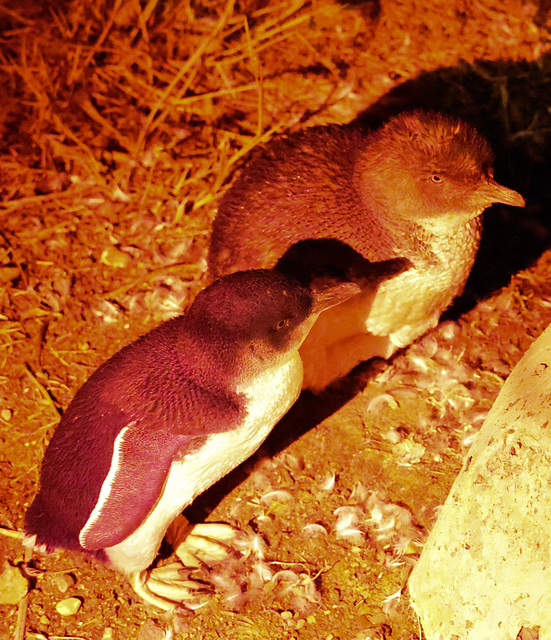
<point>122,124</point>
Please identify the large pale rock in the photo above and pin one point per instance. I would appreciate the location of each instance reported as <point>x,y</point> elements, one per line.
<point>485,572</point>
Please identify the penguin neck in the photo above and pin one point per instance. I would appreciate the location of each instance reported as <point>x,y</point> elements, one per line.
<point>386,193</point>
<point>209,354</point>
<point>214,357</point>
<point>452,239</point>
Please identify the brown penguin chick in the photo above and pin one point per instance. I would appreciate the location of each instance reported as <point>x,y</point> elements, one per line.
<point>409,194</point>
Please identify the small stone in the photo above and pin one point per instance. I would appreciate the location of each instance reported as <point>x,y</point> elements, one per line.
<point>113,257</point>
<point>286,615</point>
<point>13,585</point>
<point>378,619</point>
<point>44,620</point>
<point>8,273</point>
<point>64,581</point>
<point>108,634</point>
<point>69,606</point>
<point>6,414</point>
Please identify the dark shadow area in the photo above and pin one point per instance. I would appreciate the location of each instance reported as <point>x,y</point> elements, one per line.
<point>508,102</point>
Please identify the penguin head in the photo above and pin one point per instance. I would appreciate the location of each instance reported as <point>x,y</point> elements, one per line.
<point>261,316</point>
<point>428,165</point>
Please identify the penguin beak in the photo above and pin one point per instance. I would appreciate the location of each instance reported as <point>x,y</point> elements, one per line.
<point>326,296</point>
<point>492,192</point>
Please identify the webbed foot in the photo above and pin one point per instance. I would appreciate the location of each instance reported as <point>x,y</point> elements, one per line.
<point>213,558</point>
<point>206,544</point>
<point>170,587</point>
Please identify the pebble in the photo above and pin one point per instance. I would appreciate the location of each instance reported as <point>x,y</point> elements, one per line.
<point>113,257</point>
<point>13,585</point>
<point>69,606</point>
<point>64,581</point>
<point>6,414</point>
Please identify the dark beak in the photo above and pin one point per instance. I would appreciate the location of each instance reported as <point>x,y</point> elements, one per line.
<point>326,296</point>
<point>492,192</point>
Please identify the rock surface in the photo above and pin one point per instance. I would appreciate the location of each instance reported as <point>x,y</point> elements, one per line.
<point>485,571</point>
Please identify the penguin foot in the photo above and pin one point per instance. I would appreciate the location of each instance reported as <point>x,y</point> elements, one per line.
<point>207,544</point>
<point>170,587</point>
<point>214,558</point>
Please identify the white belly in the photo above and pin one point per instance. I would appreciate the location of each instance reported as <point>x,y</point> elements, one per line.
<point>383,318</point>
<point>411,303</point>
<point>270,396</point>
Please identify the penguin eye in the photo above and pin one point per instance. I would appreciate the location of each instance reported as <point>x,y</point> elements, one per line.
<point>282,324</point>
<point>436,178</point>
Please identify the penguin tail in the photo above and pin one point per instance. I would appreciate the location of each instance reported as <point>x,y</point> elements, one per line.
<point>46,533</point>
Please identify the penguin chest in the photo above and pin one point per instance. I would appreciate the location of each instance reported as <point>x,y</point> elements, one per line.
<point>267,398</point>
<point>412,303</point>
<point>409,304</point>
<point>391,314</point>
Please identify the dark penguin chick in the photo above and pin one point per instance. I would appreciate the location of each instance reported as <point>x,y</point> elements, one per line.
<point>169,415</point>
<point>410,191</point>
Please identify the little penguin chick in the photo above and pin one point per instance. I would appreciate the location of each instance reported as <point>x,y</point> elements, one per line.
<point>168,416</point>
<point>412,191</point>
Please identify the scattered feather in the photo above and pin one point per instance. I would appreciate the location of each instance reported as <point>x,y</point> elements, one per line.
<point>314,529</point>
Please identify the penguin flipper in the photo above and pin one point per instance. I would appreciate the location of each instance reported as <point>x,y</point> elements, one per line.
<point>139,467</point>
